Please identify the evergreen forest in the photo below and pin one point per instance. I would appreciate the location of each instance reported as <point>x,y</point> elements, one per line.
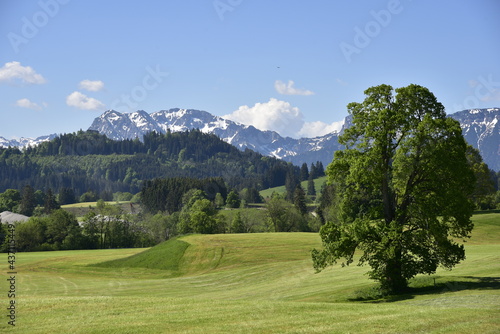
<point>88,161</point>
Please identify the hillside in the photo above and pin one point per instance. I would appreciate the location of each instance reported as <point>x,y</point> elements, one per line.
<point>90,161</point>
<point>318,184</point>
<point>256,283</point>
<point>199,254</point>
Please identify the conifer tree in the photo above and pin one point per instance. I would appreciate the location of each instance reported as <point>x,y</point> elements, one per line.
<point>311,189</point>
<point>28,201</point>
<point>50,203</point>
<point>299,199</point>
<point>304,172</point>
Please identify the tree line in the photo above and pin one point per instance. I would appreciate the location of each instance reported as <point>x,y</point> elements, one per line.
<point>104,227</point>
<point>88,161</point>
<point>172,207</point>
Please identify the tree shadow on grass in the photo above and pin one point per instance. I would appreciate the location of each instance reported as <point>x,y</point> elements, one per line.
<point>428,286</point>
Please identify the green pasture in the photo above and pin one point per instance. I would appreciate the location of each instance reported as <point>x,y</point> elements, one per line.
<point>92,204</point>
<point>318,183</point>
<point>81,209</point>
<point>247,283</point>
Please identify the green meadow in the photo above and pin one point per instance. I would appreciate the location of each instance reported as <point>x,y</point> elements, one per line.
<point>246,283</point>
<point>318,183</point>
<point>81,209</point>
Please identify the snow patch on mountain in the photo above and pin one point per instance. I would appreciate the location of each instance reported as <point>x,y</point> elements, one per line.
<point>25,142</point>
<point>481,128</point>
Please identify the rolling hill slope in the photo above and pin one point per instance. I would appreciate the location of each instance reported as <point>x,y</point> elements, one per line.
<point>249,283</point>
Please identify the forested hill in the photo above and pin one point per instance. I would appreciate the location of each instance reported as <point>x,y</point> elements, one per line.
<point>87,160</point>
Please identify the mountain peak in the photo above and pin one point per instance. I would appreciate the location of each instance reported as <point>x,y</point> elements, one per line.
<point>481,129</point>
<point>25,142</point>
<point>110,112</point>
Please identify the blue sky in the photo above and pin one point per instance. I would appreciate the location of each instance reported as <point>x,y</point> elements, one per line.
<point>286,65</point>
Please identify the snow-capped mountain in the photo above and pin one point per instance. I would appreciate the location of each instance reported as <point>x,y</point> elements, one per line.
<point>481,129</point>
<point>25,142</point>
<point>118,126</point>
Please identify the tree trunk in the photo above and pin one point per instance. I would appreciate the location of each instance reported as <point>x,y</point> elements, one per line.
<point>393,281</point>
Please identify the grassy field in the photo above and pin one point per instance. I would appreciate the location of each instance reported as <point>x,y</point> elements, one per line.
<point>318,183</point>
<point>81,209</point>
<point>246,283</point>
<point>92,204</point>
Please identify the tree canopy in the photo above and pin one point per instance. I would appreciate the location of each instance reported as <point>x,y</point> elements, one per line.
<point>402,188</point>
<point>73,164</point>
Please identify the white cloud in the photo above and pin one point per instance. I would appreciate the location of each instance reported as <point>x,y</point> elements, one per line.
<point>274,115</point>
<point>318,128</point>
<point>92,86</point>
<point>13,71</point>
<point>82,101</point>
<point>280,116</point>
<point>26,103</point>
<point>288,89</point>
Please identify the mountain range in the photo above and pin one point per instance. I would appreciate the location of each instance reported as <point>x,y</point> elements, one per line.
<point>120,126</point>
<point>481,128</point>
<point>25,142</point>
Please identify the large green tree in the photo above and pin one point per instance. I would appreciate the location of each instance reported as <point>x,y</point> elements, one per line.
<point>402,188</point>
<point>9,200</point>
<point>283,216</point>
<point>233,200</point>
